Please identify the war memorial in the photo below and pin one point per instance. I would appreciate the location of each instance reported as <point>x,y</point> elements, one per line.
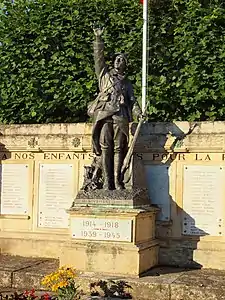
<point>119,198</point>
<point>112,211</point>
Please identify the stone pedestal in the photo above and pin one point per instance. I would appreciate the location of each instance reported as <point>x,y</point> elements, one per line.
<point>111,240</point>
<point>129,198</point>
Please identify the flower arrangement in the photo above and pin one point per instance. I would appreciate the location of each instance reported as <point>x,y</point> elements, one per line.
<point>62,282</point>
<point>63,287</point>
<point>26,295</point>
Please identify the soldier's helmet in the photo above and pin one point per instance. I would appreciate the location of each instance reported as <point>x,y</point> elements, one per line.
<point>122,55</point>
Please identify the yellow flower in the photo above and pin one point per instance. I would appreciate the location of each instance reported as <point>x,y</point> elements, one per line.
<point>59,279</point>
<point>62,284</point>
<point>54,287</point>
<point>46,280</point>
<point>55,277</point>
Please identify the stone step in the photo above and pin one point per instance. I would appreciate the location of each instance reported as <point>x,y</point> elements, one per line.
<point>162,283</point>
<point>24,272</point>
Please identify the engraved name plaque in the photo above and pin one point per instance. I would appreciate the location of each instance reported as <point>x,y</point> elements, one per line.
<point>55,195</point>
<point>203,200</point>
<point>158,189</point>
<point>14,189</point>
<point>102,229</point>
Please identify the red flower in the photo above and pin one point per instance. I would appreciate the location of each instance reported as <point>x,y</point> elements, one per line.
<point>26,293</point>
<point>30,294</point>
<point>46,296</point>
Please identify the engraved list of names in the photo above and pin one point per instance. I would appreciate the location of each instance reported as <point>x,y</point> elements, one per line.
<point>14,189</point>
<point>203,200</point>
<point>55,195</point>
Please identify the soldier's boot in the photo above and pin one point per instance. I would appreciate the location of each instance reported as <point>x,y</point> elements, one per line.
<point>118,163</point>
<point>107,170</point>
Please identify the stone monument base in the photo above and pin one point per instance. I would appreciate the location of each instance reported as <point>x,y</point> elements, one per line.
<point>112,240</point>
<point>129,198</point>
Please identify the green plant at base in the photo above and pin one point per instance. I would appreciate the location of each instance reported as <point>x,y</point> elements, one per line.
<point>62,282</point>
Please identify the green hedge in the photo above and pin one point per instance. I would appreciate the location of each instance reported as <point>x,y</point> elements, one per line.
<point>187,60</point>
<point>46,60</point>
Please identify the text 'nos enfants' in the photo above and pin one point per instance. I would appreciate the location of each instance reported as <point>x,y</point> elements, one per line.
<point>45,156</point>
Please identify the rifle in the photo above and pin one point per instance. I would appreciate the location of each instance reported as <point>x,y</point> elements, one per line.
<point>127,159</point>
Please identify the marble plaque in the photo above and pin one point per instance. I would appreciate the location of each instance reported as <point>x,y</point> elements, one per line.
<point>14,189</point>
<point>55,195</point>
<point>102,229</point>
<point>203,200</point>
<point>158,189</point>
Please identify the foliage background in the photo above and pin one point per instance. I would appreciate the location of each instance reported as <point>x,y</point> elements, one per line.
<point>46,61</point>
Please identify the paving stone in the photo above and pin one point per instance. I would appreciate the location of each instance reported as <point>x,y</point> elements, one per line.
<point>10,264</point>
<point>183,292</point>
<point>33,275</point>
<point>101,298</point>
<point>5,278</point>
<point>199,284</point>
<point>13,263</point>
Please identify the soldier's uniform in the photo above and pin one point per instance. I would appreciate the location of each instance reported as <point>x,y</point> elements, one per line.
<point>112,111</point>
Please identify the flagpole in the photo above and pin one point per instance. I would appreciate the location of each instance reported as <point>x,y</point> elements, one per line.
<point>144,54</point>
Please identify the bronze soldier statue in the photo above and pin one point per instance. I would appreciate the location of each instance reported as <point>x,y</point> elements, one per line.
<point>112,111</point>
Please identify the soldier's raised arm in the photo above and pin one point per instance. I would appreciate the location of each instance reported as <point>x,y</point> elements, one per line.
<point>99,52</point>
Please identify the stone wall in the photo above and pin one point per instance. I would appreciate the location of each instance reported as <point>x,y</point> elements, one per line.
<point>185,166</point>
<point>42,171</point>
